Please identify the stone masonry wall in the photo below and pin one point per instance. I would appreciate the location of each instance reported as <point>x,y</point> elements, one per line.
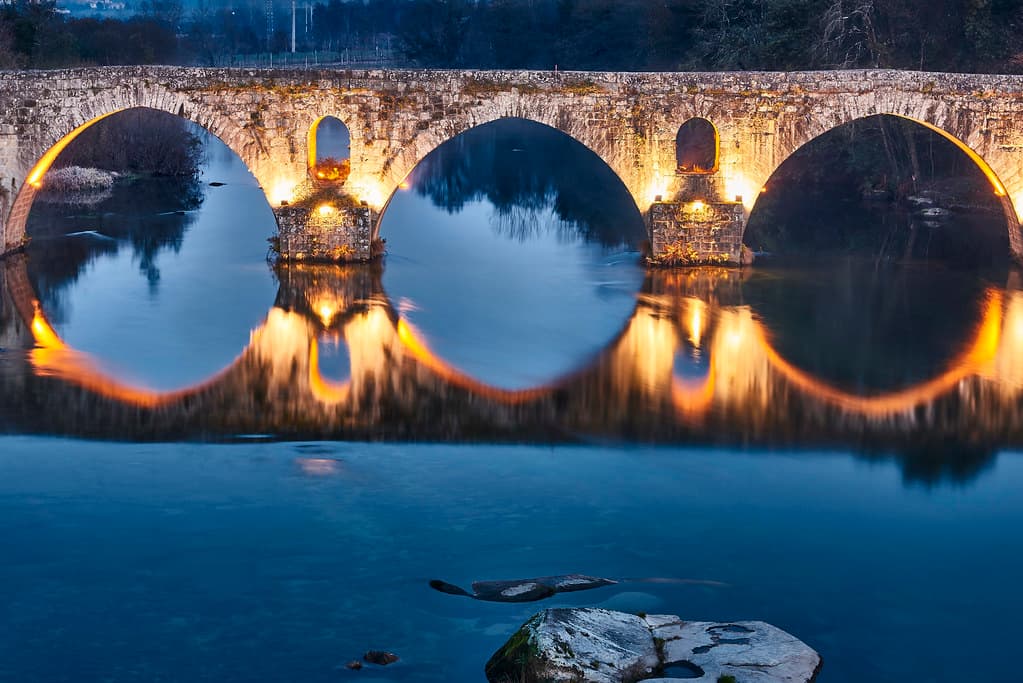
<point>343,234</point>
<point>397,117</point>
<point>682,234</point>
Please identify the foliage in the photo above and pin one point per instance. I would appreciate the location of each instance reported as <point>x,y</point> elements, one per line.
<point>141,141</point>
<point>681,254</point>
<point>947,35</point>
<point>76,179</point>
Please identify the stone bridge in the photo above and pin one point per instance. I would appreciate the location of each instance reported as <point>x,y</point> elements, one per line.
<point>630,120</point>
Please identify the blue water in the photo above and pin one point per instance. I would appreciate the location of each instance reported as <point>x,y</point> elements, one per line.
<point>262,562</point>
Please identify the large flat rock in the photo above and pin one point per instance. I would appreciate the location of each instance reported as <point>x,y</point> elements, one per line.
<point>602,646</point>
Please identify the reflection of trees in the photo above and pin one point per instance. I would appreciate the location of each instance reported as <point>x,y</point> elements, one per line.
<point>863,328</point>
<point>149,215</point>
<point>526,169</point>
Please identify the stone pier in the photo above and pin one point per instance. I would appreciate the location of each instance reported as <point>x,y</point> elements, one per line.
<point>698,224</point>
<point>324,233</point>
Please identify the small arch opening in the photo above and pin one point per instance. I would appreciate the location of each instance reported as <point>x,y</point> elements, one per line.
<point>330,151</point>
<point>696,147</point>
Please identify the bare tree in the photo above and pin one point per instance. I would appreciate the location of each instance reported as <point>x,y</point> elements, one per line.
<point>848,37</point>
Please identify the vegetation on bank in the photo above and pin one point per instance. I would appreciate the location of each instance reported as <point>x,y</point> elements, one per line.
<point>945,35</point>
<point>139,141</point>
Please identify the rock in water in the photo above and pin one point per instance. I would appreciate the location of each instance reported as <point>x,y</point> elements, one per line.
<point>380,657</point>
<point>576,645</point>
<point>601,646</point>
<point>524,590</point>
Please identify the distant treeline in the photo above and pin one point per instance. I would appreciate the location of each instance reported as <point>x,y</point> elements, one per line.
<point>954,35</point>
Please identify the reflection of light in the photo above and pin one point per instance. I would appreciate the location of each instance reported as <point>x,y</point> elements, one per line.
<point>323,389</point>
<point>973,361</point>
<point>326,312</point>
<point>697,205</point>
<point>404,185</point>
<point>325,209</point>
<point>318,467</point>
<point>410,339</point>
<point>696,322</point>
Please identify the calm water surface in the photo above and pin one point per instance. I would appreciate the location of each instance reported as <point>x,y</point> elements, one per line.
<point>825,440</point>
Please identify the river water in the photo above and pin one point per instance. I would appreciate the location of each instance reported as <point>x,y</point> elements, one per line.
<point>214,470</point>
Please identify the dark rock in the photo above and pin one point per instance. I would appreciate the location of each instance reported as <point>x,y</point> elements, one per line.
<point>380,657</point>
<point>524,590</point>
<point>354,665</point>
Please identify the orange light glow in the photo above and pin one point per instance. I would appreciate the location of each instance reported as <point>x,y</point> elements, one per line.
<point>326,210</point>
<point>988,172</point>
<point>411,341</point>
<point>283,191</point>
<point>324,390</point>
<point>326,313</point>
<point>974,360</point>
<point>697,205</point>
<point>35,176</point>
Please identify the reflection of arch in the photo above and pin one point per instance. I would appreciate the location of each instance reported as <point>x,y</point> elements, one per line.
<point>14,227</point>
<point>975,357</point>
<point>430,140</point>
<point>817,129</point>
<point>747,339</point>
<point>697,144</point>
<point>313,147</point>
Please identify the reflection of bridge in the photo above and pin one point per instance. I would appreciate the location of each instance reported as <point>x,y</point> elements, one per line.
<point>395,118</point>
<point>638,388</point>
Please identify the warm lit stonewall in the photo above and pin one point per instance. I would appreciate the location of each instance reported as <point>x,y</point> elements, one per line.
<point>633,121</point>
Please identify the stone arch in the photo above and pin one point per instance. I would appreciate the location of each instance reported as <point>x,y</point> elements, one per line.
<point>313,152</point>
<point>400,166</point>
<point>961,130</point>
<point>697,147</point>
<point>57,137</point>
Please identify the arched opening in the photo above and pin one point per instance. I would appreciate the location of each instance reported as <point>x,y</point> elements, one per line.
<point>871,239</point>
<point>330,151</point>
<point>696,147</point>
<point>507,222</point>
<point>143,224</point>
<point>889,188</point>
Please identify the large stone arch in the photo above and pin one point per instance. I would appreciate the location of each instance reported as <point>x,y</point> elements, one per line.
<point>398,167</point>
<point>38,152</point>
<point>967,129</point>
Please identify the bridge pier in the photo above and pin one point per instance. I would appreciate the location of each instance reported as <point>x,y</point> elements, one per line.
<point>698,225</point>
<point>325,224</point>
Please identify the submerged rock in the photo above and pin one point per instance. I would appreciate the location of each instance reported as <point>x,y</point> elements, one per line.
<point>524,590</point>
<point>602,646</point>
<point>380,657</point>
